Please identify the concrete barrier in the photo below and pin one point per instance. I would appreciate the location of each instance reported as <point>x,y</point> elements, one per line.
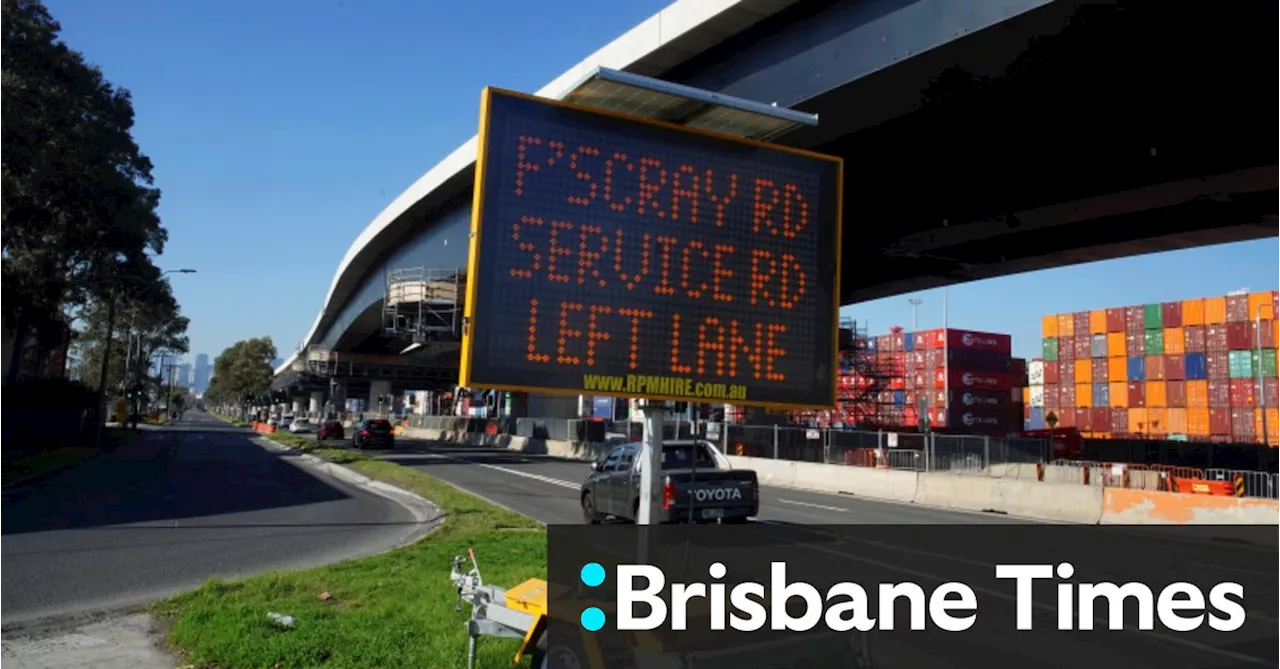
<point>1010,490</point>
<point>1148,507</point>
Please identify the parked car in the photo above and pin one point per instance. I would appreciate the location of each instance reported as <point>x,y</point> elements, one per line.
<point>373,433</point>
<point>696,486</point>
<point>331,429</point>
<point>301,426</point>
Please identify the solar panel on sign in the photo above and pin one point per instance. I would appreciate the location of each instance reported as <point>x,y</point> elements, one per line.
<point>617,256</point>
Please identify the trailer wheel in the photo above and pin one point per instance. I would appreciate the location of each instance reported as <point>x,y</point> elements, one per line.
<point>539,654</point>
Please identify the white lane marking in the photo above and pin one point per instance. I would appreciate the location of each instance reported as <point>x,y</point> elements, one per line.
<point>529,475</point>
<point>813,506</point>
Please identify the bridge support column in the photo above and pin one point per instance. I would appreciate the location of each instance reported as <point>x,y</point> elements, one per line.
<point>299,406</point>
<point>338,399</point>
<point>379,390</point>
<point>317,403</point>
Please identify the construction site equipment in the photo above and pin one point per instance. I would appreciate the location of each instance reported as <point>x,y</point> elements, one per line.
<point>518,613</point>
<point>422,304</point>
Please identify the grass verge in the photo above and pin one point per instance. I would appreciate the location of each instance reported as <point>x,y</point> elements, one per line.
<point>389,610</point>
<point>25,467</point>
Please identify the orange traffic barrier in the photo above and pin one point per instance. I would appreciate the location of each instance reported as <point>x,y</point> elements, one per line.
<point>1203,487</point>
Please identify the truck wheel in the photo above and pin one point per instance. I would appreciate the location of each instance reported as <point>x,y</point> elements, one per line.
<point>589,514</point>
<point>539,655</point>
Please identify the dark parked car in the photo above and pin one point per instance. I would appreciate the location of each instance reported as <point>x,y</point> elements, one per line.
<point>331,430</point>
<point>373,433</point>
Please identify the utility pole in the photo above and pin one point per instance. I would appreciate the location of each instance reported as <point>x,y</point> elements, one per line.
<point>915,303</point>
<point>1260,398</point>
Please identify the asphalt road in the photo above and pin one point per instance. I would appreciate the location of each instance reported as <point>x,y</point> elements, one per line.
<point>965,548</point>
<point>173,508</point>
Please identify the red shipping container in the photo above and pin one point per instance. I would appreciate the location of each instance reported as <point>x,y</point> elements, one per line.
<point>1220,422</point>
<point>1067,418</point>
<point>1135,319</point>
<point>922,340</point>
<point>1051,374</point>
<point>1238,309</point>
<point>1242,425</point>
<point>1175,394</point>
<point>1080,322</point>
<point>1241,392</point>
<point>959,379</point>
<point>1083,346</point>
<point>1018,370</point>
<point>1066,396</point>
<point>1171,314</point>
<point>1271,393</point>
<point>1051,398</point>
<point>1099,372</point>
<point>1100,420</point>
<point>1066,372</point>
<point>1215,338</point>
<point>1066,348</point>
<point>1175,367</point>
<point>1083,419</point>
<point>1137,395</point>
<point>1218,369</point>
<point>1238,338</point>
<point>883,344</point>
<point>1268,334</point>
<point>975,341</point>
<point>909,399</point>
<point>1119,421</point>
<point>1115,320</point>
<point>1154,367</point>
<point>1193,338</point>
<point>899,343</point>
<point>983,420</point>
<point>1219,394</point>
<point>1135,344</point>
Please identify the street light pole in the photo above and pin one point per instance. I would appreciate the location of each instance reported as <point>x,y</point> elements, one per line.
<point>915,312</point>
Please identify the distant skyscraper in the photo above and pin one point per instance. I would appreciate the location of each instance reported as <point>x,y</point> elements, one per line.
<point>201,374</point>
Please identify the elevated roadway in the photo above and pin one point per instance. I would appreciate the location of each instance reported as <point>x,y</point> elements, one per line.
<point>993,139</point>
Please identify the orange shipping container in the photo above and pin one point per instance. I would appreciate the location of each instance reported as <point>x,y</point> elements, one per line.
<point>1215,311</point>
<point>1116,346</point>
<point>1084,374</point>
<point>1156,394</point>
<point>1084,395</point>
<point>1026,396</point>
<point>1067,327</point>
<point>1193,312</point>
<point>1198,398</point>
<point>1137,421</point>
<point>1117,368</point>
<point>1177,419</point>
<point>1157,421</point>
<point>1260,301</point>
<point>1198,421</point>
<point>1049,326</point>
<point>1273,425</point>
<point>1118,392</point>
<point>1098,321</point>
<point>1174,342</point>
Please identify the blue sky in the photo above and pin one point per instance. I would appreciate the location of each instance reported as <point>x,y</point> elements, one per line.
<point>280,129</point>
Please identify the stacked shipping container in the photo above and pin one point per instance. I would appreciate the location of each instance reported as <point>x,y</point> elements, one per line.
<point>962,380</point>
<point>1178,369</point>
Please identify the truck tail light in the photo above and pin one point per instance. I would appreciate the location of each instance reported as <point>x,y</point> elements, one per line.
<point>668,495</point>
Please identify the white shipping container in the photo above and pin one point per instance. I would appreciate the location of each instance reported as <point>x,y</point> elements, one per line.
<point>1037,395</point>
<point>1035,375</point>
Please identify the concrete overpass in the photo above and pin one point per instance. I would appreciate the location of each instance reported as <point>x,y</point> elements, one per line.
<point>980,139</point>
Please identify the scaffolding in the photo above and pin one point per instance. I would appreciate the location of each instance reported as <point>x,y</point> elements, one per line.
<point>422,304</point>
<point>864,389</point>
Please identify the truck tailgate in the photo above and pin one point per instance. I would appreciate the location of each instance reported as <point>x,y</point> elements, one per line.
<point>713,488</point>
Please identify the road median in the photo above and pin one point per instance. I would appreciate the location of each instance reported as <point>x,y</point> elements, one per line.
<point>393,609</point>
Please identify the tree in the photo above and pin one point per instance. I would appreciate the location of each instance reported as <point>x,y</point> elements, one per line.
<point>78,206</point>
<point>154,319</point>
<point>242,371</point>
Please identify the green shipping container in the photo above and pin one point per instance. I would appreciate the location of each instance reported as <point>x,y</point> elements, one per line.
<point>1269,366</point>
<point>1240,364</point>
<point>1153,342</point>
<point>1153,319</point>
<point>1051,348</point>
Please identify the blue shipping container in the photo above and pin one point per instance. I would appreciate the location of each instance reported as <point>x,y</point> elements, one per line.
<point>899,398</point>
<point>1101,395</point>
<point>1036,421</point>
<point>1197,366</point>
<point>1137,368</point>
<point>908,341</point>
